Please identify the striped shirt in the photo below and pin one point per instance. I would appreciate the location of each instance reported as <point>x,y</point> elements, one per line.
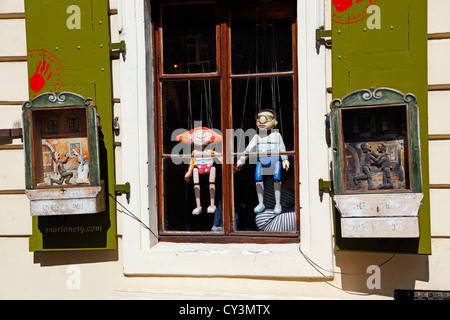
<point>270,221</point>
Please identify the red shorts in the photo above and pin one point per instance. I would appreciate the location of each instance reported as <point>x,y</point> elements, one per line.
<point>204,168</point>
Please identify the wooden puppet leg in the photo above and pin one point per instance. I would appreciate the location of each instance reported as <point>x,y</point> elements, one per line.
<point>260,193</point>
<point>212,190</point>
<point>277,191</point>
<point>196,179</point>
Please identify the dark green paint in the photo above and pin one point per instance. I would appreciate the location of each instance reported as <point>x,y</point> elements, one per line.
<point>85,57</point>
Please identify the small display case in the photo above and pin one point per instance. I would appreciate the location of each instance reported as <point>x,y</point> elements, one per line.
<point>377,180</point>
<point>61,146</point>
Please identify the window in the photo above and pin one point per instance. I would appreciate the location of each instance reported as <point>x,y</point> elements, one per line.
<point>147,251</point>
<point>220,65</point>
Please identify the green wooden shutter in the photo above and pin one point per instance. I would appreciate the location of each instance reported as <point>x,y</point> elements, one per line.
<point>393,56</point>
<point>68,50</point>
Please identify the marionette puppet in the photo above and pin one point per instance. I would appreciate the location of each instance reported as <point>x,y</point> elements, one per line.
<point>202,163</point>
<point>267,140</point>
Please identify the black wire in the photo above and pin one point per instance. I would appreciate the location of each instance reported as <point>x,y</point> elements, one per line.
<point>346,273</point>
<point>130,214</point>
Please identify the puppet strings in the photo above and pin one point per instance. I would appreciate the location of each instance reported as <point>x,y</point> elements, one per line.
<point>264,44</point>
<point>205,91</point>
<point>248,79</point>
<point>190,122</point>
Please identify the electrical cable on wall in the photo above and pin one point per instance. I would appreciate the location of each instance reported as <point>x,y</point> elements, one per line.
<point>346,273</point>
<point>132,215</point>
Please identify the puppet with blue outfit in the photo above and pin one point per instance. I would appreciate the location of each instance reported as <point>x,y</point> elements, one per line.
<point>271,142</point>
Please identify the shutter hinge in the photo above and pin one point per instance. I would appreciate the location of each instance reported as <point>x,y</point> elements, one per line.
<point>325,186</point>
<point>116,49</point>
<point>120,189</point>
<point>116,126</point>
<point>321,34</point>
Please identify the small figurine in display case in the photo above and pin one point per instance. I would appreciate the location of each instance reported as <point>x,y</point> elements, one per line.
<point>382,160</point>
<point>366,162</point>
<point>83,167</point>
<point>60,170</point>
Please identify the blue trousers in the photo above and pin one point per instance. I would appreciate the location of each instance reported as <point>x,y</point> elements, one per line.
<point>266,162</point>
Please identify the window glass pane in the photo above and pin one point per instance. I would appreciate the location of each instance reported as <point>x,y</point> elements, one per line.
<point>180,198</point>
<point>191,123</point>
<point>189,38</point>
<point>264,192</point>
<point>261,36</point>
<point>188,104</point>
<point>250,95</point>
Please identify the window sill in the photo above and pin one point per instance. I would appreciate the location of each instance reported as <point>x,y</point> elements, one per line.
<point>235,260</point>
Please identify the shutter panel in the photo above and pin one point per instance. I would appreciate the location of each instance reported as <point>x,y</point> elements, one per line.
<point>392,55</point>
<point>68,50</point>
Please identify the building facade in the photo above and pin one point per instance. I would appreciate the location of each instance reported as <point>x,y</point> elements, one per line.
<point>336,75</point>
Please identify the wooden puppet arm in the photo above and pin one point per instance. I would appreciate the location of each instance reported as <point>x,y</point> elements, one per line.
<point>238,166</point>
<point>286,164</point>
<point>188,174</point>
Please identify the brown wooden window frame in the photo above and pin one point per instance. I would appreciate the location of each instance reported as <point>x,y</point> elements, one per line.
<point>225,76</point>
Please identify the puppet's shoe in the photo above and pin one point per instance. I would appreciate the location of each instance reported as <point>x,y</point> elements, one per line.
<point>259,208</point>
<point>277,209</point>
<point>211,209</point>
<point>197,211</point>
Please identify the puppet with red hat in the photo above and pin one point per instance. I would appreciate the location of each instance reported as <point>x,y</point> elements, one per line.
<point>202,162</point>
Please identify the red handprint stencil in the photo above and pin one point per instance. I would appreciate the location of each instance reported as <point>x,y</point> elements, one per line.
<point>351,11</point>
<point>48,73</point>
<point>37,81</point>
<point>342,5</point>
